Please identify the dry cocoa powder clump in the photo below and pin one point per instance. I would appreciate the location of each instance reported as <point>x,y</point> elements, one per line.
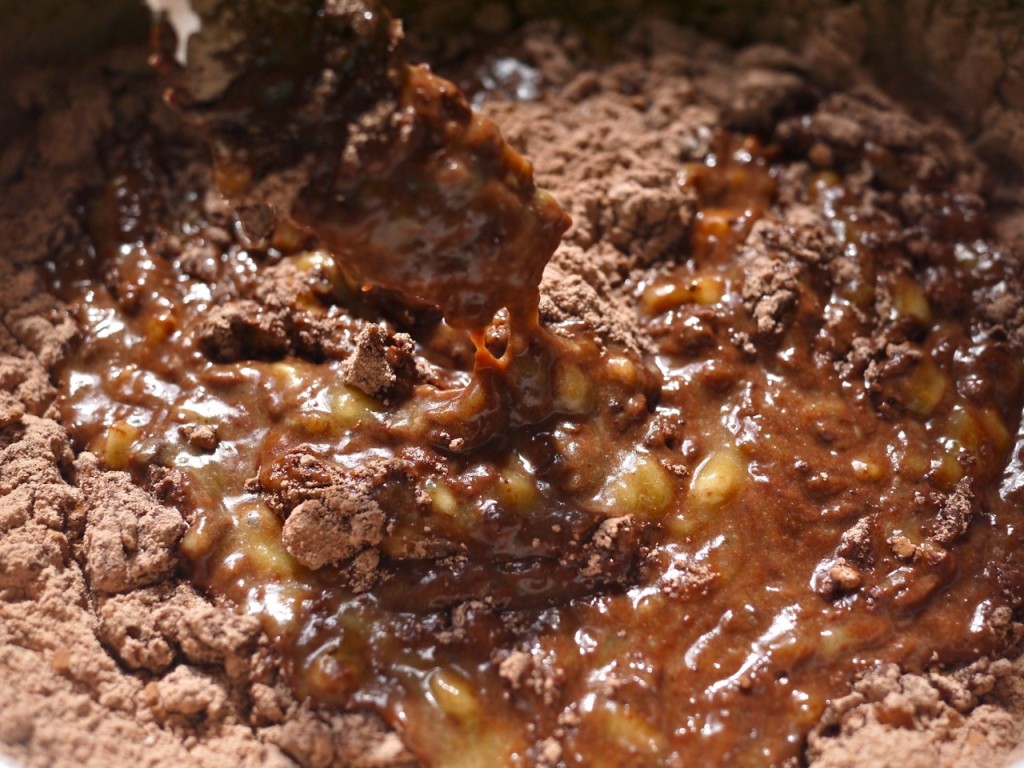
<point>969,717</point>
<point>381,361</point>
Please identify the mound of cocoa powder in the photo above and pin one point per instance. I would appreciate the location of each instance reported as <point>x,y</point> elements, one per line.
<point>109,657</point>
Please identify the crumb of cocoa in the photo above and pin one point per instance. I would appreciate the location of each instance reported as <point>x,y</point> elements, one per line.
<point>380,360</point>
<point>533,672</point>
<point>549,753</point>
<point>514,668</point>
<point>568,299</point>
<point>956,510</point>
<point>320,532</point>
<point>242,329</point>
<point>203,437</point>
<point>770,281</point>
<point>688,581</point>
<point>855,543</point>
<point>902,547</point>
<point>845,576</point>
<point>130,541</point>
<point>610,550</point>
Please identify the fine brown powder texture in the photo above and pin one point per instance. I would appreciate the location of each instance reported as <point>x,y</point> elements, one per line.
<point>972,716</point>
<point>109,657</point>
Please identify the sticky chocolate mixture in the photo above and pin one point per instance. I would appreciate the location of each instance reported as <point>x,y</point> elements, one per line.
<point>826,477</point>
<point>317,121</point>
<point>316,117</point>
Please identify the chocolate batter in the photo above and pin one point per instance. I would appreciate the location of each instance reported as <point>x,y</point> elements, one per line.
<point>814,484</point>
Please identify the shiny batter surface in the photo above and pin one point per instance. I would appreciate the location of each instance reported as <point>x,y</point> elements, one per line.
<point>809,464</point>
